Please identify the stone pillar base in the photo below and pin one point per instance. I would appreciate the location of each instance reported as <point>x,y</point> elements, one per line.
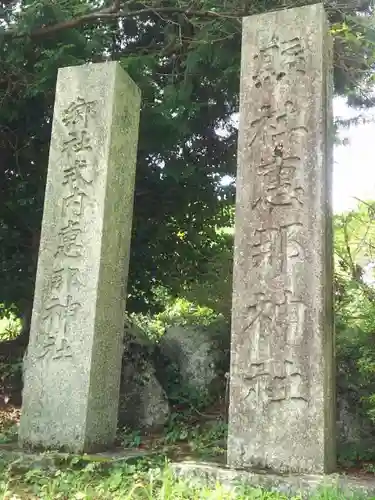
<point>287,484</point>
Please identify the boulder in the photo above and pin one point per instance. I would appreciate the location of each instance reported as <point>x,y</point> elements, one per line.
<point>355,430</point>
<point>143,401</point>
<point>193,360</point>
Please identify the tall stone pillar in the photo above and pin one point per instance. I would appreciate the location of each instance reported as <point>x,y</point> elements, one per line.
<point>282,408</point>
<point>73,363</point>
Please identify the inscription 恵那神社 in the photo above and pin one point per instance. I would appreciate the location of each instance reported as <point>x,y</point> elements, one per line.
<point>73,363</point>
<point>281,413</point>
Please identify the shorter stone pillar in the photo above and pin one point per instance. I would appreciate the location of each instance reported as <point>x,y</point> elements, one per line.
<point>73,363</point>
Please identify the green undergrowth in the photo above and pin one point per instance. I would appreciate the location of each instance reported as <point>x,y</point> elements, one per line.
<point>144,479</point>
<point>182,437</point>
<point>140,477</point>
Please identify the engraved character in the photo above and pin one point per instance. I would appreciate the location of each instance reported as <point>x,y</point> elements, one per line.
<point>277,184</point>
<point>79,140</point>
<point>78,111</point>
<point>61,348</point>
<point>68,244</point>
<point>275,381</point>
<point>275,60</point>
<point>62,281</point>
<point>272,247</point>
<point>261,325</point>
<point>292,53</point>
<point>47,346</point>
<point>260,125</point>
<point>78,190</point>
<point>57,280</point>
<point>72,207</point>
<point>73,175</point>
<point>56,323</point>
<point>277,131</point>
<point>296,319</point>
<point>280,317</point>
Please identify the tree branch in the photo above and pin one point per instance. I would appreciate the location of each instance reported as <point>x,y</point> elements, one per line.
<point>112,13</point>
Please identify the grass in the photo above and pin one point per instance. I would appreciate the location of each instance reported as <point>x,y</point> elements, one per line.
<point>9,327</point>
<point>144,479</point>
<point>147,478</point>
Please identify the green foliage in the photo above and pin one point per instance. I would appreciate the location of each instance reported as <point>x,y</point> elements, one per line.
<point>177,311</point>
<point>186,427</point>
<point>10,326</point>
<point>213,286</point>
<point>187,68</point>
<point>183,312</point>
<point>11,373</point>
<point>9,435</point>
<point>130,438</point>
<point>205,441</point>
<point>145,479</point>
<point>355,315</point>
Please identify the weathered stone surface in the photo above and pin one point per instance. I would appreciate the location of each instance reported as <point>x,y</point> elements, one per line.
<point>305,485</point>
<point>198,356</point>
<point>21,461</point>
<point>73,366</point>
<point>282,410</point>
<point>355,430</point>
<point>143,401</point>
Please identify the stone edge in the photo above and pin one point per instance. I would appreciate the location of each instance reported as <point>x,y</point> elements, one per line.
<point>292,484</point>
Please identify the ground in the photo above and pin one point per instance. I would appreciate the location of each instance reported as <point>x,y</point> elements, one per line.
<point>145,473</point>
<point>190,434</point>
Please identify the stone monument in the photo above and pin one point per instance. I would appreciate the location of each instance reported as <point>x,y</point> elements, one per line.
<point>282,409</point>
<point>281,433</point>
<point>73,363</point>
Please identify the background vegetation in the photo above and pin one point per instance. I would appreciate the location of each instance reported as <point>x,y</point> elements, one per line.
<point>184,55</point>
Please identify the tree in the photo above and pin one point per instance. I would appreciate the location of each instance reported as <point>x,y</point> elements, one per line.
<point>184,55</point>
<point>355,313</point>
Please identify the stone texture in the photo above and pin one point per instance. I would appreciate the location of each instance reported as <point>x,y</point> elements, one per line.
<point>193,360</point>
<point>282,409</point>
<point>302,485</point>
<point>143,401</point>
<point>73,364</point>
<point>355,429</point>
<point>21,461</point>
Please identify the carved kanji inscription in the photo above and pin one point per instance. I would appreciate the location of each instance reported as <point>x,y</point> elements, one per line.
<point>278,136</point>
<point>272,127</point>
<point>56,327</point>
<point>274,246</point>
<point>72,369</point>
<point>63,280</point>
<point>78,113</point>
<point>274,321</point>
<point>75,176</point>
<point>279,59</point>
<point>78,141</point>
<point>60,306</point>
<point>69,244</point>
<point>281,411</point>
<point>277,183</point>
<point>272,381</point>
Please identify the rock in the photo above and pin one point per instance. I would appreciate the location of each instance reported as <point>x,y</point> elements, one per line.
<point>355,430</point>
<point>143,402</point>
<point>193,361</point>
